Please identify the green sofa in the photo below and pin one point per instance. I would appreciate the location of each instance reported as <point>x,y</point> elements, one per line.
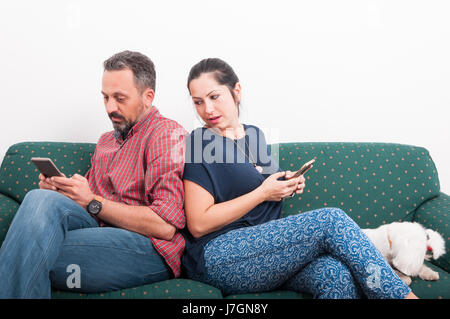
<point>374,183</point>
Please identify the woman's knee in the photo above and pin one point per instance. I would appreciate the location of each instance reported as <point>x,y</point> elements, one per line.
<point>333,216</point>
<point>337,213</point>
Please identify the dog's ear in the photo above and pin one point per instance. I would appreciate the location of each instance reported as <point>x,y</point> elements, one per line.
<point>436,242</point>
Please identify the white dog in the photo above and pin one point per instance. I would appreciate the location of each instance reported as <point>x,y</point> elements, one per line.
<point>406,245</point>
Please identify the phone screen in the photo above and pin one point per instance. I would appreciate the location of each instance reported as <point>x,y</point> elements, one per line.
<point>46,166</point>
<point>304,168</point>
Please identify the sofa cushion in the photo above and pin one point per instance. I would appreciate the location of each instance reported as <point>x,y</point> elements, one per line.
<point>374,183</point>
<point>168,289</point>
<point>438,289</point>
<point>277,294</point>
<point>18,175</point>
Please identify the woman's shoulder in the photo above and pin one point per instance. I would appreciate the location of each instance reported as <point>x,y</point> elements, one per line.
<point>195,143</point>
<point>198,129</point>
<point>250,126</point>
<point>203,129</point>
<point>254,132</point>
<point>206,136</point>
<point>197,135</point>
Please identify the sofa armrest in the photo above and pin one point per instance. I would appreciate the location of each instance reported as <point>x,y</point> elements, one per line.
<point>435,214</point>
<point>18,175</point>
<point>8,209</point>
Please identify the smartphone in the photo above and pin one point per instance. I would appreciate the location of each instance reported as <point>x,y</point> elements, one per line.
<point>46,166</point>
<point>304,168</point>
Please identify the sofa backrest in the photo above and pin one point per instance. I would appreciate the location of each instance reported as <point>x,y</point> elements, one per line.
<point>18,175</point>
<point>374,183</point>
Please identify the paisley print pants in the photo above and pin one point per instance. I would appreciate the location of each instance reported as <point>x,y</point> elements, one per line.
<point>321,252</point>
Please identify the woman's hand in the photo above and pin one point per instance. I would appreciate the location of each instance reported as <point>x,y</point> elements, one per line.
<point>274,190</point>
<point>301,181</point>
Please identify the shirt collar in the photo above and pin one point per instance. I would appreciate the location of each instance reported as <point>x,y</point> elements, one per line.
<point>139,125</point>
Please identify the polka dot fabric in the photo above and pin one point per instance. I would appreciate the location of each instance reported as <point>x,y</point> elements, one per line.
<point>18,174</point>
<point>168,289</point>
<point>373,183</point>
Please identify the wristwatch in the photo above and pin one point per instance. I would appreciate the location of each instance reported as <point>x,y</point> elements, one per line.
<point>95,206</point>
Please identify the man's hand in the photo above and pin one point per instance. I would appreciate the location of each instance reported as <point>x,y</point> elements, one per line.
<point>46,183</point>
<point>76,188</point>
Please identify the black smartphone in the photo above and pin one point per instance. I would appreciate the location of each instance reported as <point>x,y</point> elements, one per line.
<point>46,166</point>
<point>304,168</point>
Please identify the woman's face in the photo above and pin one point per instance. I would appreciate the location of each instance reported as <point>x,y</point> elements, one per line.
<point>214,102</point>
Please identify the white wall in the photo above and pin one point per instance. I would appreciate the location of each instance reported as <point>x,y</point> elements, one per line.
<point>322,70</point>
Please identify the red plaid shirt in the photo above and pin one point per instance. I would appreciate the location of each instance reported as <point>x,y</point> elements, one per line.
<point>145,169</point>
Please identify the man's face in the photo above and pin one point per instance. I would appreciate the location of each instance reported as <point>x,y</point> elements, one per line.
<point>124,102</point>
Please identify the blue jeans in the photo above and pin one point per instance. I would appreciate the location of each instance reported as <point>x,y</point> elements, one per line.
<point>53,241</point>
<point>321,252</point>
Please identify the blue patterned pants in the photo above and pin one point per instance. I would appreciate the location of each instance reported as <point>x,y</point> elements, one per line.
<point>321,252</point>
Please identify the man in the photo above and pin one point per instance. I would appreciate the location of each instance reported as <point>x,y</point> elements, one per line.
<point>133,186</point>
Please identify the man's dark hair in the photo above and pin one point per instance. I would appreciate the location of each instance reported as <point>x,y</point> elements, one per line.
<point>142,67</point>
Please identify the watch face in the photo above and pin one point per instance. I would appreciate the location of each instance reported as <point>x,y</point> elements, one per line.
<point>94,207</point>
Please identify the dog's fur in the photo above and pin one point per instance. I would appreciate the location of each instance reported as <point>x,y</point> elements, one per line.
<point>405,246</point>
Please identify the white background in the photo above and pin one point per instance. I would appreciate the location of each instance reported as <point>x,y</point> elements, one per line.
<point>322,70</point>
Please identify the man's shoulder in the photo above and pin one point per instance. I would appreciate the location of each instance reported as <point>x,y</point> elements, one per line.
<point>106,137</point>
<point>164,131</point>
<point>171,125</point>
<point>161,125</point>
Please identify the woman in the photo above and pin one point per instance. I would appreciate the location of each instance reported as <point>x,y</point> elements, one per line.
<point>236,239</point>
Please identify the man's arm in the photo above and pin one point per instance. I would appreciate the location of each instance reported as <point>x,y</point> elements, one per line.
<point>163,178</point>
<point>139,219</point>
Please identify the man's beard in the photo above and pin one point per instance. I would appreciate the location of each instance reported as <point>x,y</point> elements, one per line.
<point>121,129</point>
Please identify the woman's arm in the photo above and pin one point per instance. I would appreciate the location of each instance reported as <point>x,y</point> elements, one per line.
<point>204,217</point>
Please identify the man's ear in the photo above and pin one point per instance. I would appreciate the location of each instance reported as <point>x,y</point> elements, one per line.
<point>148,95</point>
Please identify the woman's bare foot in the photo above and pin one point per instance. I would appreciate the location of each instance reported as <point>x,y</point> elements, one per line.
<point>411,296</point>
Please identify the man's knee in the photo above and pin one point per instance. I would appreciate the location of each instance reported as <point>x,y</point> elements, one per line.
<point>37,196</point>
<point>39,205</point>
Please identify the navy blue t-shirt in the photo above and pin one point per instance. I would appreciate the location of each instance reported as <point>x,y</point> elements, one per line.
<point>223,167</point>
